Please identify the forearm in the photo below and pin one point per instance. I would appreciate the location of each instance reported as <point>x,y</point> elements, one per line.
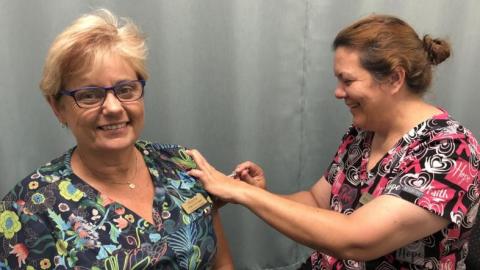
<point>303,197</point>
<point>381,226</point>
<point>320,229</point>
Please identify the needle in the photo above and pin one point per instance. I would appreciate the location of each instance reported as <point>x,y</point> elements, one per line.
<point>233,175</point>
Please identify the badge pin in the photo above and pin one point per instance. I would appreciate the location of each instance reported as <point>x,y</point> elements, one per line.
<point>365,198</point>
<point>194,203</point>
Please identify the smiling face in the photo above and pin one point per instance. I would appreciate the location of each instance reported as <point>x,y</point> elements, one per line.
<point>112,126</point>
<point>365,97</point>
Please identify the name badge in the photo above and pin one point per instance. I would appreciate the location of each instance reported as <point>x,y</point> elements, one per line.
<point>194,203</point>
<point>365,198</point>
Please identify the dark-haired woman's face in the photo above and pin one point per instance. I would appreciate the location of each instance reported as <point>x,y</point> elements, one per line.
<point>357,87</point>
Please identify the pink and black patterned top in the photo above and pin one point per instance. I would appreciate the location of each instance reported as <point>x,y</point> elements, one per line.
<point>435,166</point>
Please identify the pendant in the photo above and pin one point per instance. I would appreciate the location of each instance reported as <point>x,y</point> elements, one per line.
<point>131,185</point>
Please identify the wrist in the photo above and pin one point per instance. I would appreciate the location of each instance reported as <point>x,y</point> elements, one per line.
<point>245,193</point>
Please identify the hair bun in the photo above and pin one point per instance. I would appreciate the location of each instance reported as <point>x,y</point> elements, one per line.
<point>437,49</point>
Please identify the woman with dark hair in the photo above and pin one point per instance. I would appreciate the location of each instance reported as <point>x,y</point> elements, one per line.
<point>402,190</point>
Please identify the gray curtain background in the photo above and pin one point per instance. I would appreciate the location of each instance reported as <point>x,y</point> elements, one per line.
<point>238,80</point>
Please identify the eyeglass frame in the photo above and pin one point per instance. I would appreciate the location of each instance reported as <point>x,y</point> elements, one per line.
<point>72,92</point>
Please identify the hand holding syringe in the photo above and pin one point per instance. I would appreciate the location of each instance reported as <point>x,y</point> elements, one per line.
<point>250,173</point>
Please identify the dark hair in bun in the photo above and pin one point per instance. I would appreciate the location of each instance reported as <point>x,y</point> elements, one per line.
<point>385,43</point>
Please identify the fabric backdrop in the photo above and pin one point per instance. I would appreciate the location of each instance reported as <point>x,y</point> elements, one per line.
<point>238,80</point>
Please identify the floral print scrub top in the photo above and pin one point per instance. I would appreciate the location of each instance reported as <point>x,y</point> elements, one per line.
<point>435,166</point>
<point>54,220</point>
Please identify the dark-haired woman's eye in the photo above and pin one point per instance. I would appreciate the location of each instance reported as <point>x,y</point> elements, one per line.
<point>347,82</point>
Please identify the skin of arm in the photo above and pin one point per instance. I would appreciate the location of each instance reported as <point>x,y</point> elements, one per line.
<point>375,229</point>
<point>223,259</point>
<point>318,195</point>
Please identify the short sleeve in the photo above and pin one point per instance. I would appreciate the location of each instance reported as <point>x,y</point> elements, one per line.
<point>173,154</point>
<point>26,241</point>
<point>180,157</point>
<point>173,164</point>
<point>441,176</point>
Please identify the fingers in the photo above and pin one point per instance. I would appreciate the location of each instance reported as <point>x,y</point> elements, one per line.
<point>246,177</point>
<point>247,171</point>
<point>199,159</point>
<point>196,173</point>
<point>205,172</point>
<point>244,166</point>
<point>250,167</point>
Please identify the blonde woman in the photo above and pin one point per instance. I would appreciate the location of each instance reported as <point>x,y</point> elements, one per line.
<point>112,201</point>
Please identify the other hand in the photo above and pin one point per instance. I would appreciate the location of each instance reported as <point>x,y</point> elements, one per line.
<point>216,183</point>
<point>251,173</point>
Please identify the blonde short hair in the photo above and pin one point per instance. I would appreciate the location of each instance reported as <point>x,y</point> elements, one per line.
<point>92,35</point>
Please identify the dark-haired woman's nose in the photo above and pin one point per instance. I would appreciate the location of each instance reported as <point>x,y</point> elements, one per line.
<point>340,91</point>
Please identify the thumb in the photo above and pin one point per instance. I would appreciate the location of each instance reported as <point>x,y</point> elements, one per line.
<point>246,177</point>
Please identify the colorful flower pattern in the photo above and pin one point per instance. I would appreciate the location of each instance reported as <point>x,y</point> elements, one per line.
<point>435,166</point>
<point>54,220</point>
<point>9,224</point>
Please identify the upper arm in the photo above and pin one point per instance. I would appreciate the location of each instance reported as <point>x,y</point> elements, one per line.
<point>223,258</point>
<point>321,192</point>
<point>388,223</point>
<point>317,196</point>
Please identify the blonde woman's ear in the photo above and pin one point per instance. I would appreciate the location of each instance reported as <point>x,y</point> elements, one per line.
<point>57,108</point>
